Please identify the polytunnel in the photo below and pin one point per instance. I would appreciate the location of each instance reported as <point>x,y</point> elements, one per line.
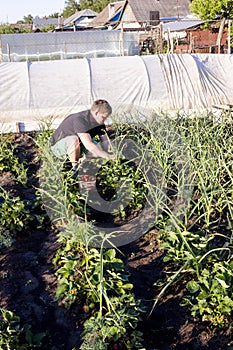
<point>32,91</point>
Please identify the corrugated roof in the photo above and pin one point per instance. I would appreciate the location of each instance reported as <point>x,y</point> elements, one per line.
<point>107,13</point>
<point>183,24</point>
<point>79,14</point>
<point>42,22</point>
<point>167,8</point>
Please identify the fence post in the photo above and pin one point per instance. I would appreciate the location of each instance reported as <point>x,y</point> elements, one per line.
<point>229,38</point>
<point>1,56</point>
<point>8,52</point>
<point>122,40</point>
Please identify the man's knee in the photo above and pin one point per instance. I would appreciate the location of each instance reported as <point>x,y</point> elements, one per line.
<point>66,145</point>
<point>73,143</point>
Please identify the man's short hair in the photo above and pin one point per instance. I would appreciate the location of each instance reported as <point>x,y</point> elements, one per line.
<point>101,106</point>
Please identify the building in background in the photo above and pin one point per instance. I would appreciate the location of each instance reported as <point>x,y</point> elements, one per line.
<point>78,21</point>
<point>138,14</point>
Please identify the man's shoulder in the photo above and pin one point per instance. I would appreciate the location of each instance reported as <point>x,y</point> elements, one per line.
<point>81,114</point>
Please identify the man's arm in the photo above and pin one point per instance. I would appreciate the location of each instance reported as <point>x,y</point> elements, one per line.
<point>93,148</point>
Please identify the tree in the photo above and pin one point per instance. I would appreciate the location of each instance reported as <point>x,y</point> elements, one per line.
<point>54,15</point>
<point>94,5</point>
<point>71,6</point>
<point>209,10</point>
<point>28,19</point>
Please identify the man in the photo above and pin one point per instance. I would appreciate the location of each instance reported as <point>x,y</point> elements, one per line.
<point>75,135</point>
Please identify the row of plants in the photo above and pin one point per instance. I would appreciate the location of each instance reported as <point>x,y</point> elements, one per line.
<point>91,277</point>
<point>190,182</point>
<point>192,159</point>
<point>198,245</point>
<point>96,280</point>
<point>105,299</point>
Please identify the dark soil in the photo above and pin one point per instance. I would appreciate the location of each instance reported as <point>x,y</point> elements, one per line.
<point>28,284</point>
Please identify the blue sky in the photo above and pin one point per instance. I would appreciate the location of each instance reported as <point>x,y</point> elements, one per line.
<point>13,10</point>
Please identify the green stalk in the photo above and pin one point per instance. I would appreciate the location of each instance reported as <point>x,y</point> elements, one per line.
<point>171,280</point>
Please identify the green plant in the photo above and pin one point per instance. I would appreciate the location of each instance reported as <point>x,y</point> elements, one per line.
<point>6,238</point>
<point>131,178</point>
<point>116,328</point>
<point>79,274</point>
<point>199,243</point>
<point>211,294</point>
<point>45,132</point>
<point>15,216</point>
<point>9,161</point>
<point>14,336</point>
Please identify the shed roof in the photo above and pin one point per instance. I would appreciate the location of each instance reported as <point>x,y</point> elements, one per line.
<point>167,8</point>
<point>79,14</point>
<point>43,22</point>
<point>107,13</point>
<point>183,24</point>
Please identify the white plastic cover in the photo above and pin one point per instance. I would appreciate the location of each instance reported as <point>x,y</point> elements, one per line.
<point>30,92</point>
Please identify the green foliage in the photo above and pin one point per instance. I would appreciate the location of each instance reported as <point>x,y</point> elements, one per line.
<point>95,278</point>
<point>183,246</point>
<point>94,5</point>
<point>116,329</point>
<point>28,19</point>
<point>14,336</point>
<point>48,28</point>
<point>79,274</point>
<point>15,215</point>
<point>45,132</point>
<point>200,243</point>
<point>71,6</point>
<point>6,238</point>
<point>132,180</point>
<point>208,10</point>
<point>9,161</point>
<point>13,29</point>
<point>7,29</point>
<point>211,294</point>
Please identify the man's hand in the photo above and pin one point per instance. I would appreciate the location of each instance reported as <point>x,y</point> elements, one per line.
<point>94,150</point>
<point>112,157</point>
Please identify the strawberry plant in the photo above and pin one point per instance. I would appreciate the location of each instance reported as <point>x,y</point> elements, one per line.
<point>9,161</point>
<point>15,216</point>
<point>116,329</point>
<point>113,172</point>
<point>79,274</point>
<point>13,335</point>
<point>211,294</point>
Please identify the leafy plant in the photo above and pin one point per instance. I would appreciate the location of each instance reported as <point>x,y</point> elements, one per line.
<point>45,132</point>
<point>79,274</point>
<point>109,176</point>
<point>116,329</point>
<point>9,161</point>
<point>15,216</point>
<point>15,336</point>
<point>211,295</point>
<point>199,243</point>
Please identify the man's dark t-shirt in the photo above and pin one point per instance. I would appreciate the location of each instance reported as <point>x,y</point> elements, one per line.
<point>81,122</point>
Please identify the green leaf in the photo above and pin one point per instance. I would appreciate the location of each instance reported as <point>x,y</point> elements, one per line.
<point>222,282</point>
<point>193,287</point>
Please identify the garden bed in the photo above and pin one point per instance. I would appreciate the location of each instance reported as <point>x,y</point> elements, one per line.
<point>28,281</point>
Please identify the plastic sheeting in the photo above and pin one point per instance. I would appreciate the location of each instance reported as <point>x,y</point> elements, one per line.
<point>30,92</point>
<point>67,45</point>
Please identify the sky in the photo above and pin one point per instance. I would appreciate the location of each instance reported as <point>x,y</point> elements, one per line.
<point>12,11</point>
